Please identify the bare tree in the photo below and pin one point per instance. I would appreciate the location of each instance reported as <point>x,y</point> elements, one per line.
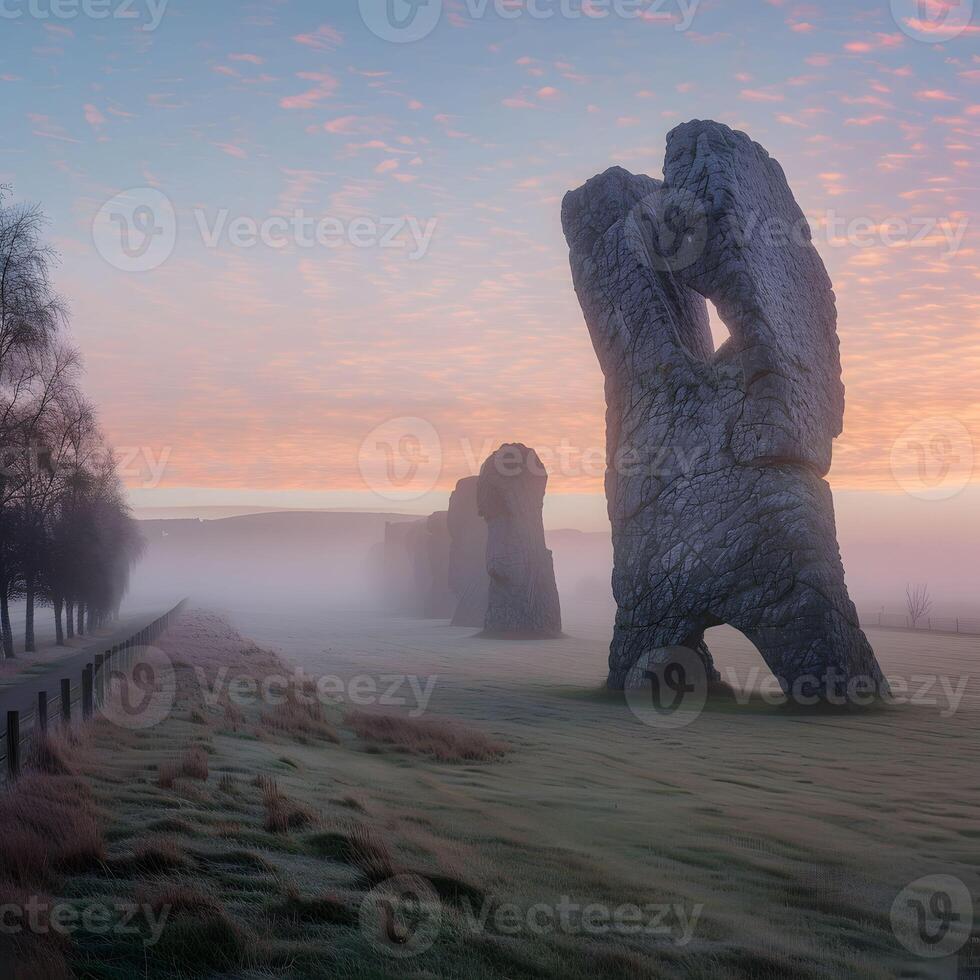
<point>30,317</point>
<point>918,603</point>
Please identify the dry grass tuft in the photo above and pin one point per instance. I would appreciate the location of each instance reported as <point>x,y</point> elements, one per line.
<point>201,938</point>
<point>48,823</point>
<point>444,740</point>
<point>179,899</point>
<point>283,814</point>
<point>194,764</point>
<point>300,719</point>
<point>234,716</point>
<point>157,854</point>
<point>27,954</point>
<point>316,909</point>
<point>52,754</point>
<point>360,846</point>
<point>167,774</point>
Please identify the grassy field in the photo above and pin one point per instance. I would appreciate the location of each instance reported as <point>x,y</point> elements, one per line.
<point>557,835</point>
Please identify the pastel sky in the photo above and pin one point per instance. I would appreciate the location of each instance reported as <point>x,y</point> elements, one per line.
<point>256,373</point>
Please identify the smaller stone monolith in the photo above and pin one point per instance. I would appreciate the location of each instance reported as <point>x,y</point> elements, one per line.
<point>468,577</point>
<point>440,602</point>
<point>523,598</point>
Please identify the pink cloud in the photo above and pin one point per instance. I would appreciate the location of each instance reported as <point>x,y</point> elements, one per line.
<point>548,92</point>
<point>935,95</point>
<point>758,95</point>
<point>324,36</point>
<point>386,166</point>
<point>252,59</point>
<point>231,150</point>
<point>93,117</point>
<point>875,43</point>
<point>864,121</point>
<point>352,125</point>
<point>325,87</point>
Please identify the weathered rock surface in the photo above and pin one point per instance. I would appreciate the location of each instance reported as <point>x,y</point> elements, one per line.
<point>719,509</point>
<point>468,576</point>
<point>523,598</point>
<point>440,602</point>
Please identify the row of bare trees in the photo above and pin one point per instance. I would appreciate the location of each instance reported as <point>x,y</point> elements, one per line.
<point>67,539</point>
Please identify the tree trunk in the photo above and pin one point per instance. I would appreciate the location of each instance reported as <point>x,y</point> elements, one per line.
<point>81,619</point>
<point>8,633</point>
<point>59,632</point>
<point>29,618</point>
<point>70,618</point>
<point>92,625</point>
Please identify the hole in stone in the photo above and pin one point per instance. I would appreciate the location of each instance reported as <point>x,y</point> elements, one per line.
<point>738,659</point>
<point>719,332</point>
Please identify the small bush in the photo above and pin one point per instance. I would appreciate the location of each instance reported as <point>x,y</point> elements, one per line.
<point>444,740</point>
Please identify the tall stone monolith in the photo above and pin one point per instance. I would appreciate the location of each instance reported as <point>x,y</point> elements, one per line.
<point>716,458</point>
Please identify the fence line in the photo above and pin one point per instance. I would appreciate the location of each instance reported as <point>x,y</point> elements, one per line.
<point>935,624</point>
<point>89,693</point>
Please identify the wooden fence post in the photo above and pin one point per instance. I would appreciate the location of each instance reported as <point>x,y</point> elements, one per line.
<point>99,677</point>
<point>13,744</point>
<point>66,700</point>
<point>87,692</point>
<point>42,710</point>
